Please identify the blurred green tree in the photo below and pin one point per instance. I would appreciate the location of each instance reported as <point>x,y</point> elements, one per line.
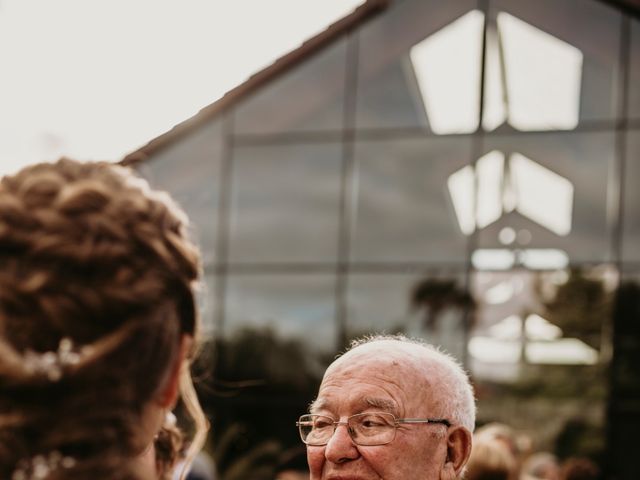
<point>253,386</point>
<point>432,296</point>
<point>580,307</point>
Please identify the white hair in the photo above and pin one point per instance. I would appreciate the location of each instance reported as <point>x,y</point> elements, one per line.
<point>456,391</point>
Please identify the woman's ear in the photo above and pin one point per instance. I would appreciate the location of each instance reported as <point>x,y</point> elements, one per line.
<point>458,451</point>
<point>168,395</point>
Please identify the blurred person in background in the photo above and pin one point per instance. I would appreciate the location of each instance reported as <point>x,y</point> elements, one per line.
<point>202,468</point>
<point>97,323</point>
<point>541,466</point>
<point>490,460</point>
<point>168,447</point>
<point>292,465</point>
<point>579,468</point>
<point>517,444</point>
<point>390,408</point>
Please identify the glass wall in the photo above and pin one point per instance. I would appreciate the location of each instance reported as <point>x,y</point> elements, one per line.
<point>381,186</point>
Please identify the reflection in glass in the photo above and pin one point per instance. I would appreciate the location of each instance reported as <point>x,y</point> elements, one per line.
<point>543,258</point>
<point>532,258</point>
<point>519,184</point>
<point>631,206</point>
<point>533,78</point>
<point>285,205</point>
<point>310,97</point>
<point>507,236</point>
<point>206,301</point>
<point>544,344</point>
<point>634,71</point>
<point>447,67</point>
<point>550,318</point>
<point>378,303</point>
<point>490,198</point>
<point>542,73</point>
<point>560,188</point>
<point>293,306</point>
<point>564,351</point>
<point>429,307</point>
<point>190,171</point>
<point>388,91</point>
<point>493,259</point>
<point>403,211</point>
<point>542,195</point>
<point>558,62</point>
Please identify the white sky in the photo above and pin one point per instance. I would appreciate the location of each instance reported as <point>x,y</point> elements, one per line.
<point>95,79</point>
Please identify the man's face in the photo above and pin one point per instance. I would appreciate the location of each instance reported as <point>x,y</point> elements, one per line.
<point>369,379</point>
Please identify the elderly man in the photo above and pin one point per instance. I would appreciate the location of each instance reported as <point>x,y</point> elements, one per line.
<point>392,409</point>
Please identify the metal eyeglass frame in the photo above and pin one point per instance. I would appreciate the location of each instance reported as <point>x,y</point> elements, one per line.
<point>336,424</point>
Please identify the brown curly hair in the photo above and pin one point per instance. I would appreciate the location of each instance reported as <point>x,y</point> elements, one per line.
<point>168,447</point>
<point>89,253</point>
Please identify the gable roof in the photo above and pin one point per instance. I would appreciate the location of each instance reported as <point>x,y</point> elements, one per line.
<point>285,63</point>
<point>256,81</point>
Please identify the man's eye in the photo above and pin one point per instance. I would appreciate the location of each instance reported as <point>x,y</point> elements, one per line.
<point>373,421</point>
<point>322,424</point>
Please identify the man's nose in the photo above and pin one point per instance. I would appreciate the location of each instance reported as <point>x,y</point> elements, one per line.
<point>340,447</point>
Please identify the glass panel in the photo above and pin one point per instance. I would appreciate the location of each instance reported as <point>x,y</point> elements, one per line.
<point>300,307</point>
<point>634,73</point>
<point>540,349</point>
<point>394,89</point>
<point>206,299</point>
<point>631,207</point>
<point>551,65</point>
<point>548,200</point>
<point>310,97</point>
<point>424,306</point>
<point>404,211</point>
<point>543,72</point>
<point>285,204</point>
<point>190,171</point>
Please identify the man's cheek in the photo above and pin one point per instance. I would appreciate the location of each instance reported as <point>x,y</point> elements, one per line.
<point>315,459</point>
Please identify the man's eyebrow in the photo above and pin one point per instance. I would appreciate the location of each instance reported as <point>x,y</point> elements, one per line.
<point>318,404</point>
<point>381,403</point>
<point>367,402</point>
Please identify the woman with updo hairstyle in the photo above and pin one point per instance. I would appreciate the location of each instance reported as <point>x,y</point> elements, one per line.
<point>97,323</point>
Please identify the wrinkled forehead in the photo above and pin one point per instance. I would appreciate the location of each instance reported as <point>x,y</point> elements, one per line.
<point>394,356</point>
<point>388,375</point>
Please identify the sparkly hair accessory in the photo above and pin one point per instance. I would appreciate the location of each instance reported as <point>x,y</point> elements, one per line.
<point>40,466</point>
<point>53,364</point>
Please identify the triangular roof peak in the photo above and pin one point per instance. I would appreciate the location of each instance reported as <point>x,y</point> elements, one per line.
<point>256,81</point>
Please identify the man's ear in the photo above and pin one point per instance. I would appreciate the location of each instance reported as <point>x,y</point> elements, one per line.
<point>458,451</point>
<point>168,395</point>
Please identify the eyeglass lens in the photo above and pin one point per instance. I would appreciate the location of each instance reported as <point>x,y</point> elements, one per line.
<point>364,428</point>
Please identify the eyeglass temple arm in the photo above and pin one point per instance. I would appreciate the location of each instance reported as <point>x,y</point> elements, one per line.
<point>424,420</point>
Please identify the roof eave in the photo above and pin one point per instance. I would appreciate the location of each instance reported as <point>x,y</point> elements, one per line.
<point>256,81</point>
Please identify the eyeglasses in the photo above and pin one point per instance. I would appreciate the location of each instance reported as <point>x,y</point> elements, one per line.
<point>366,429</point>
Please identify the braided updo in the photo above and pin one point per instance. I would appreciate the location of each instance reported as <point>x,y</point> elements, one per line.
<point>90,259</point>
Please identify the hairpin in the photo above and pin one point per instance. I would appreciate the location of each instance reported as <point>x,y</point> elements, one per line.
<point>40,466</point>
<point>52,364</point>
<point>170,420</point>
